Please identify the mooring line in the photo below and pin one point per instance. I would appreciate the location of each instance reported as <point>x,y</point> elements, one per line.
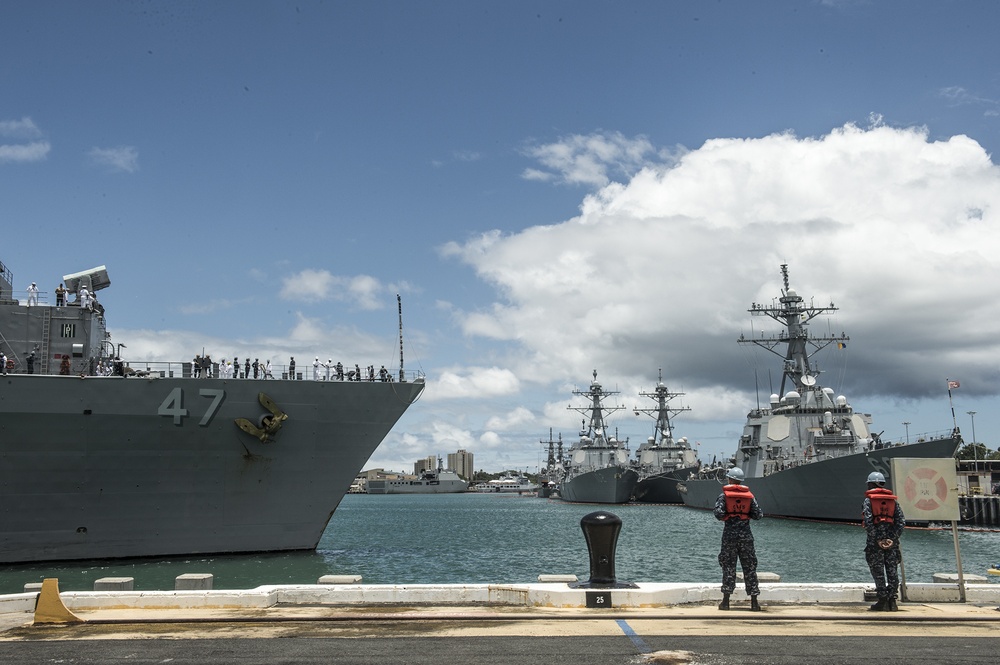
<point>639,643</point>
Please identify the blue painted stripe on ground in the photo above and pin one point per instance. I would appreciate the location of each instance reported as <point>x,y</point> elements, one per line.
<point>639,643</point>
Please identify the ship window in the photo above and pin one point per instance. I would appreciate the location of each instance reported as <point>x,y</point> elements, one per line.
<point>67,330</point>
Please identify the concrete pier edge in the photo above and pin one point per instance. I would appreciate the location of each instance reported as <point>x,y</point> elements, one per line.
<point>541,595</point>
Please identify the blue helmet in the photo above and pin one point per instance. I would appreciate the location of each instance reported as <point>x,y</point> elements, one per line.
<point>876,477</point>
<point>736,473</point>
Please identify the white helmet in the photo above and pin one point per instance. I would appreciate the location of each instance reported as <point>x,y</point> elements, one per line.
<point>736,473</point>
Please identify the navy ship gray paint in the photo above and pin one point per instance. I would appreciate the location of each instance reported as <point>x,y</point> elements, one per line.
<point>596,468</point>
<point>662,461</point>
<point>153,462</point>
<point>809,453</point>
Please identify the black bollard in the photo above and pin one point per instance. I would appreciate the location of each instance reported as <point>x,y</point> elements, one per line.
<point>601,531</point>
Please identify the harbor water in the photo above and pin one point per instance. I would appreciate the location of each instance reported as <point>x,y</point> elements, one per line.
<point>491,538</point>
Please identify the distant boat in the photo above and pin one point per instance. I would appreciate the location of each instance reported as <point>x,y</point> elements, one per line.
<point>808,454</point>
<point>508,483</point>
<point>597,467</point>
<point>662,461</point>
<point>439,481</point>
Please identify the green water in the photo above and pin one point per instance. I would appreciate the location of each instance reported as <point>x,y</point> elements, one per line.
<point>482,538</point>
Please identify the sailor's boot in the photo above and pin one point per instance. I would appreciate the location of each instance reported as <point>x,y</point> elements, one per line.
<point>880,606</point>
<point>754,606</point>
<point>891,605</point>
<point>724,605</point>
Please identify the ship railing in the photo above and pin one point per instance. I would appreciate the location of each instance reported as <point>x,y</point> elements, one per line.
<point>921,437</point>
<point>186,370</point>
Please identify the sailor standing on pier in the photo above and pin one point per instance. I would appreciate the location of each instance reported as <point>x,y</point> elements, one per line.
<point>736,506</point>
<point>884,522</point>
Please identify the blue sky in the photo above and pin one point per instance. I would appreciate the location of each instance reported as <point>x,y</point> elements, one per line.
<point>552,187</point>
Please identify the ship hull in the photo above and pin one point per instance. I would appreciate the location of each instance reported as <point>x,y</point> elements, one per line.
<point>609,485</point>
<point>111,467</point>
<point>831,490</point>
<point>662,487</point>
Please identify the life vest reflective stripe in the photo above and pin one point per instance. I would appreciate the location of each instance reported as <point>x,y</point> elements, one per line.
<point>883,505</point>
<point>738,501</point>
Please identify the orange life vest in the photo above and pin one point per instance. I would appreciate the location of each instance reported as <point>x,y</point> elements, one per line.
<point>883,504</point>
<point>738,501</point>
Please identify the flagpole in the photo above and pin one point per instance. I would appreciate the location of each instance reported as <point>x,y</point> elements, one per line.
<point>954,422</point>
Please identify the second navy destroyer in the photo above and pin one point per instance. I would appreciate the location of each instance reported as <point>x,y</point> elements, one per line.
<point>597,467</point>
<point>662,461</point>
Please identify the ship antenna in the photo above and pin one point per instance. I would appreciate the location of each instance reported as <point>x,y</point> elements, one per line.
<point>784,275</point>
<point>399,307</point>
<point>756,386</point>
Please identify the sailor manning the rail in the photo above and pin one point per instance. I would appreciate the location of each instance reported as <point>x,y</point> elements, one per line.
<point>736,506</point>
<point>884,522</point>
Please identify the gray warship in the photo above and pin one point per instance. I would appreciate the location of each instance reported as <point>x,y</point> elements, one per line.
<point>430,481</point>
<point>808,454</point>
<point>548,478</point>
<point>104,459</point>
<point>596,468</point>
<point>662,461</point>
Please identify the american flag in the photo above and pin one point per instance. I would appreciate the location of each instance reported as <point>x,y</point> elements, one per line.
<point>953,384</point>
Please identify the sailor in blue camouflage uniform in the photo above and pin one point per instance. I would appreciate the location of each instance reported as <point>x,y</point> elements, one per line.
<point>736,506</point>
<point>884,522</point>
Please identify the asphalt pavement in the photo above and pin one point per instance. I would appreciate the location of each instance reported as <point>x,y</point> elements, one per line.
<point>694,633</point>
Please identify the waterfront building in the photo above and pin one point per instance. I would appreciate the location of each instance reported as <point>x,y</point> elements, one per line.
<point>461,463</point>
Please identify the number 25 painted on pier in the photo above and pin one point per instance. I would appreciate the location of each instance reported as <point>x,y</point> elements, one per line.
<point>173,405</point>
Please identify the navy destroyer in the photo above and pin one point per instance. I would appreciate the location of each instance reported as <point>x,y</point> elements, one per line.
<point>103,458</point>
<point>807,455</point>
<point>548,478</point>
<point>597,467</point>
<point>662,461</point>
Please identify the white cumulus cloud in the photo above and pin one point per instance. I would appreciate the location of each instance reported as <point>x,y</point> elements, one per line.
<point>590,160</point>
<point>472,382</point>
<point>363,291</point>
<point>658,271</point>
